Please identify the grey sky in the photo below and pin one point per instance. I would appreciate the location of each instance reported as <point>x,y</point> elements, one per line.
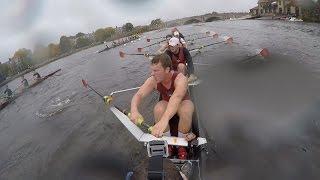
<point>25,23</point>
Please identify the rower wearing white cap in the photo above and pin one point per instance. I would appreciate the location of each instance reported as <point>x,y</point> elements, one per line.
<point>181,58</point>
<point>178,35</point>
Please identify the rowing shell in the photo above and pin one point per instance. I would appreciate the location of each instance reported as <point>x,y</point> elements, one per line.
<point>6,103</point>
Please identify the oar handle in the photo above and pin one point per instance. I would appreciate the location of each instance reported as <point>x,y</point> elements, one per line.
<point>140,122</point>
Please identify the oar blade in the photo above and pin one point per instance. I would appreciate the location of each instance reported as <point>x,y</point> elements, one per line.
<point>122,54</point>
<point>264,52</point>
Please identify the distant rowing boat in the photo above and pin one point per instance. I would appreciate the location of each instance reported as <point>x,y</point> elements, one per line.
<point>9,100</point>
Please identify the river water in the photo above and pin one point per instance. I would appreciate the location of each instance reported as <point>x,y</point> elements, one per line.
<point>262,114</point>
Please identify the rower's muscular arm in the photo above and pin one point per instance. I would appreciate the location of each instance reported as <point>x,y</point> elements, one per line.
<point>162,49</point>
<point>143,91</point>
<point>181,85</point>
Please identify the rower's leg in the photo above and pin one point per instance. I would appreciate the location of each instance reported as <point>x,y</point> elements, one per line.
<point>182,68</point>
<point>185,112</point>
<point>158,111</point>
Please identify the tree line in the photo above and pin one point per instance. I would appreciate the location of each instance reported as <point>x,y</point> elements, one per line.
<point>25,58</point>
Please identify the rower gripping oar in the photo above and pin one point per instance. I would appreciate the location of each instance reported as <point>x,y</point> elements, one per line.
<point>140,120</point>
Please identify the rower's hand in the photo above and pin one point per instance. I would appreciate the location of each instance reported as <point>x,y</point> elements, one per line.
<point>159,128</point>
<point>135,116</point>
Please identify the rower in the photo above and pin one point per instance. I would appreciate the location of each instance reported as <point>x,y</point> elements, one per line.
<point>24,82</point>
<point>182,41</point>
<point>165,46</point>
<point>173,89</point>
<point>8,92</point>
<point>176,30</point>
<point>176,33</point>
<point>36,76</point>
<point>180,56</point>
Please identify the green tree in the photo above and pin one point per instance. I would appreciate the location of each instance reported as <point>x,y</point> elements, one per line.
<point>191,21</point>
<point>82,42</point>
<point>65,44</point>
<point>100,35</point>
<point>79,34</point>
<point>140,29</point>
<point>23,54</point>
<point>109,32</point>
<point>213,18</point>
<point>5,70</point>
<point>157,23</point>
<point>311,10</point>
<point>128,27</point>
<point>24,58</point>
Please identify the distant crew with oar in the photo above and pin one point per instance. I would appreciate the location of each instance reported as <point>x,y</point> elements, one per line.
<point>7,92</point>
<point>181,59</point>
<point>36,76</point>
<point>176,30</point>
<point>24,82</point>
<point>173,89</point>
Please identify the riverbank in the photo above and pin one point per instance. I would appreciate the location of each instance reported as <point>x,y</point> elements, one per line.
<point>33,68</point>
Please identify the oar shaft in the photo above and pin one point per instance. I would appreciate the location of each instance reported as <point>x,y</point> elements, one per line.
<point>190,40</point>
<point>127,113</point>
<point>135,54</point>
<point>154,44</point>
<point>124,90</point>
<point>95,91</point>
<point>206,45</point>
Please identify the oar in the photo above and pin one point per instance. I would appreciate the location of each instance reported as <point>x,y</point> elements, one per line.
<point>227,40</point>
<point>140,120</point>
<point>85,84</point>
<point>149,39</point>
<point>122,54</point>
<point>264,52</point>
<point>140,49</point>
<point>215,35</point>
<point>208,32</point>
<point>108,99</point>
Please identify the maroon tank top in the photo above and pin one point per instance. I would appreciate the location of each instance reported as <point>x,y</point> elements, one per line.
<point>165,93</point>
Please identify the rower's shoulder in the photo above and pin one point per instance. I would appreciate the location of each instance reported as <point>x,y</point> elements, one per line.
<point>151,81</point>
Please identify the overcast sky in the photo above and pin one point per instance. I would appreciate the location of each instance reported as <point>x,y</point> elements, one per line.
<point>25,23</point>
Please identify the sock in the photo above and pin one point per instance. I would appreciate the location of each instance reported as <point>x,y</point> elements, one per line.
<point>182,135</point>
<point>167,133</point>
